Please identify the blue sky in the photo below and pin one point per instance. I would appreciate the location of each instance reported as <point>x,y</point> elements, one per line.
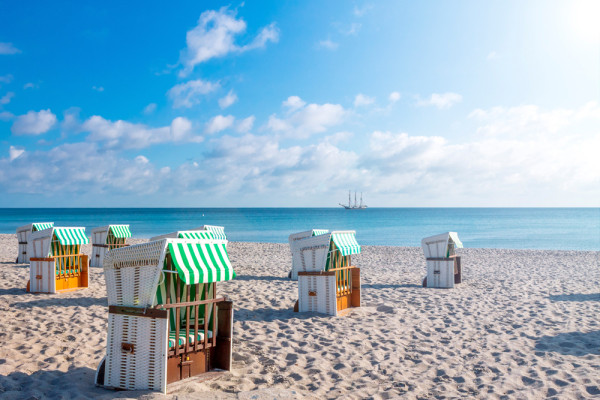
<point>278,104</point>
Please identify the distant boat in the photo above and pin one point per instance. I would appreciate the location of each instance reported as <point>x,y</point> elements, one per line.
<point>356,205</point>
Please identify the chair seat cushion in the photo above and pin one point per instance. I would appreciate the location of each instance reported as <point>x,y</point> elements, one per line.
<point>182,337</point>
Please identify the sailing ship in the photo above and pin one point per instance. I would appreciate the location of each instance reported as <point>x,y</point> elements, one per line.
<point>356,205</point>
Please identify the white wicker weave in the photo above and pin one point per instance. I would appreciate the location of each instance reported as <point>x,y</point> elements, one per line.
<point>323,286</point>
<point>146,367</point>
<point>309,253</point>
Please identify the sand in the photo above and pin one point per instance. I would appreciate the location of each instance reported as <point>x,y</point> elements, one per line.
<point>523,324</point>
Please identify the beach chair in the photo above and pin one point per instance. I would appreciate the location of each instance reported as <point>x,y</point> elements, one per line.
<point>23,234</point>
<point>203,232</point>
<point>56,263</point>
<point>165,321</point>
<point>443,265</point>
<point>328,282</point>
<point>298,256</point>
<point>106,238</point>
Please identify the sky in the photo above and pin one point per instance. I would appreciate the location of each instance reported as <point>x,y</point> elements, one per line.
<point>293,104</point>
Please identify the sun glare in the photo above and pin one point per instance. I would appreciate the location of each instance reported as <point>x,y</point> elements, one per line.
<point>585,19</point>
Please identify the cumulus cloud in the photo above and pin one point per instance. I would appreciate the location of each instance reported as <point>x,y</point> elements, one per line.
<point>14,153</point>
<point>8,48</point>
<point>394,97</point>
<point>219,123</point>
<point>304,120</point>
<point>228,100</point>
<point>215,36</point>
<point>189,93</point>
<point>34,123</point>
<point>363,100</point>
<point>6,98</point>
<point>328,44</point>
<point>150,108</point>
<point>126,135</point>
<point>441,100</point>
<point>246,124</point>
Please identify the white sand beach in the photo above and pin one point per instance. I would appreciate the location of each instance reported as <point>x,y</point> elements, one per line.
<point>524,324</point>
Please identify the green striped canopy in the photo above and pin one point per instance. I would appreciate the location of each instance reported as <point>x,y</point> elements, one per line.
<point>70,236</point>
<point>120,231</point>
<point>317,232</point>
<point>196,235</point>
<point>346,243</point>
<point>217,231</point>
<point>40,226</point>
<point>201,262</point>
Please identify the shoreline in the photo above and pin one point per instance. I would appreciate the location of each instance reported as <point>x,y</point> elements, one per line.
<point>523,324</point>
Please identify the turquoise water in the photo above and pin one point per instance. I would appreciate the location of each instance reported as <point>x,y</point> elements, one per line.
<point>507,228</point>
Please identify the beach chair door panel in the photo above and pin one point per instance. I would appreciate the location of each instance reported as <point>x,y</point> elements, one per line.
<point>440,274</point>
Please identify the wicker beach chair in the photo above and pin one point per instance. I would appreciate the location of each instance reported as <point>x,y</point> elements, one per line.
<point>443,265</point>
<point>23,235</point>
<point>56,263</point>
<point>106,238</point>
<point>165,321</point>
<point>328,283</point>
<point>297,256</point>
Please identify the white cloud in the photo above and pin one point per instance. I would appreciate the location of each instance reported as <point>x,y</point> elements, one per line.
<point>305,120</point>
<point>492,55</point>
<point>228,100</point>
<point>141,160</point>
<point>214,37</point>
<point>14,153</point>
<point>441,101</point>
<point>150,108</point>
<point>246,124</point>
<point>189,93</point>
<point>8,48</point>
<point>6,116</point>
<point>30,85</point>
<point>34,123</point>
<point>328,44</point>
<point>6,78</point>
<point>352,30</point>
<point>360,11</point>
<point>126,135</point>
<point>394,96</point>
<point>219,123</point>
<point>6,98</point>
<point>362,100</point>
<point>294,103</point>
<point>98,88</point>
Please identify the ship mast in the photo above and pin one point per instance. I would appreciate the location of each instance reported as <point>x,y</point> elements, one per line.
<point>349,201</point>
<point>361,200</point>
<point>355,204</point>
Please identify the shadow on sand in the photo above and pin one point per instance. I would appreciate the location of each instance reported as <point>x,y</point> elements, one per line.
<point>77,382</point>
<point>260,278</point>
<point>575,297</point>
<point>570,343</point>
<point>390,286</point>
<point>269,314</point>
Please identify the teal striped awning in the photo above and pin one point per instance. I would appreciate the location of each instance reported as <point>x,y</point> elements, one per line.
<point>217,231</point>
<point>346,243</point>
<point>196,235</point>
<point>40,226</point>
<point>198,262</point>
<point>317,232</point>
<point>70,236</point>
<point>120,231</point>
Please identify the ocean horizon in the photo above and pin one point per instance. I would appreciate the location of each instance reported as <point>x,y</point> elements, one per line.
<point>478,227</point>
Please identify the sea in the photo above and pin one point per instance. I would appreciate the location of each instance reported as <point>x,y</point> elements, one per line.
<point>504,228</point>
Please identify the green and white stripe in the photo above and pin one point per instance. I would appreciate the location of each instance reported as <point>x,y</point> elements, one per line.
<point>40,226</point>
<point>71,236</point>
<point>196,235</point>
<point>217,231</point>
<point>346,243</point>
<point>201,262</point>
<point>318,232</point>
<point>120,231</point>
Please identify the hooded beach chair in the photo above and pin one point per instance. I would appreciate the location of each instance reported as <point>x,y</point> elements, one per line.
<point>165,321</point>
<point>297,255</point>
<point>203,232</point>
<point>443,265</point>
<point>328,282</point>
<point>56,262</point>
<point>23,234</point>
<point>106,238</point>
